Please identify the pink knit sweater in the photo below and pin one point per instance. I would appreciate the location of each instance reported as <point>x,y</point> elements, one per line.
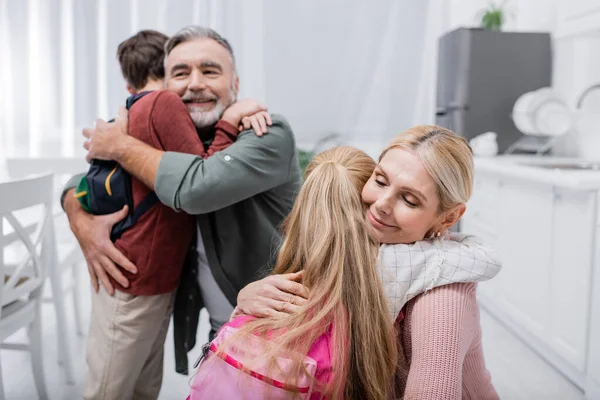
<point>441,336</point>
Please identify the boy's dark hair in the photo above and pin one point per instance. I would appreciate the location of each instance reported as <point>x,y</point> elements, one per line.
<point>141,57</point>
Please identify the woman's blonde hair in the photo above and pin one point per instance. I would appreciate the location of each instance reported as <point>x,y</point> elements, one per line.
<point>447,157</point>
<point>326,236</point>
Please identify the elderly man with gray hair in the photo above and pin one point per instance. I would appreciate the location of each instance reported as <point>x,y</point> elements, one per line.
<point>240,196</point>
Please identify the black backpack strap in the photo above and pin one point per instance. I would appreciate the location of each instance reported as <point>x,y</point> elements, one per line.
<point>121,226</point>
<point>146,204</point>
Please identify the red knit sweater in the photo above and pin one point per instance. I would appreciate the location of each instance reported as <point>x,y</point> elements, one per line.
<point>157,244</point>
<point>441,336</point>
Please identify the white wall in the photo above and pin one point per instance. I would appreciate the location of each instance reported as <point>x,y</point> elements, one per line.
<point>577,66</point>
<point>368,81</point>
<point>576,58</point>
<point>343,66</point>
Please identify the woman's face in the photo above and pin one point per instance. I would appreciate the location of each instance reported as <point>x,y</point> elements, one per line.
<point>401,198</point>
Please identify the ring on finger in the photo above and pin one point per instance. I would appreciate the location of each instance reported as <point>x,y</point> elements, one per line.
<point>282,306</point>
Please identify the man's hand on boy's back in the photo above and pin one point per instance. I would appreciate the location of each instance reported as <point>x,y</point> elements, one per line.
<point>107,141</point>
<point>247,114</point>
<point>93,234</point>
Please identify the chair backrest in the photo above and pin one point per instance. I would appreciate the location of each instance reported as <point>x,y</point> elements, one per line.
<point>4,175</point>
<point>26,224</point>
<point>18,167</point>
<point>62,168</point>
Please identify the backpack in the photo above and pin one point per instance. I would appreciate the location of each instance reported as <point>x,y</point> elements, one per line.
<point>239,373</point>
<point>106,189</point>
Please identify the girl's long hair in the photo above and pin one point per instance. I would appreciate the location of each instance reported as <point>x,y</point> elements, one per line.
<point>326,236</point>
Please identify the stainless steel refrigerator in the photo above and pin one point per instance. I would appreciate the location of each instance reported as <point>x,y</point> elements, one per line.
<point>482,73</point>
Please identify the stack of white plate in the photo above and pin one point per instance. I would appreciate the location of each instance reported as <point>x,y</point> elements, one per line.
<point>542,112</point>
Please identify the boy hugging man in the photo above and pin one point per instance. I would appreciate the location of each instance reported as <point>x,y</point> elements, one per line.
<point>128,330</point>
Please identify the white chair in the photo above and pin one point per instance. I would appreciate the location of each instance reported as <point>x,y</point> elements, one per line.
<point>68,252</point>
<point>69,257</point>
<point>21,293</point>
<point>3,168</point>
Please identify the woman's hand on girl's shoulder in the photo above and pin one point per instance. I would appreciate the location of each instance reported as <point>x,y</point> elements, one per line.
<point>273,296</point>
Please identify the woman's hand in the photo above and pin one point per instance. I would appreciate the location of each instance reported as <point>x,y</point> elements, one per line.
<point>273,296</point>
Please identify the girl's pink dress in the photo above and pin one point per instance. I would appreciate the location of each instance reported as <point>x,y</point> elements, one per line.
<point>224,377</point>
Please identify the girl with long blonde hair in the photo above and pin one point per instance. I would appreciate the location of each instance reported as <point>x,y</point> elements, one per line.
<point>345,325</point>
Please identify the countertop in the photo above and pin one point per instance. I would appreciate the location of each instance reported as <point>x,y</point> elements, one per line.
<point>524,168</point>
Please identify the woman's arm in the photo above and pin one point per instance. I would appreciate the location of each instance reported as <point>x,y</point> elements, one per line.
<point>442,334</point>
<point>408,270</point>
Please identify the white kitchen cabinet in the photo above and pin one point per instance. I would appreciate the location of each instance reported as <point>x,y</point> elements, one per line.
<point>573,235</point>
<point>522,236</point>
<point>592,387</point>
<point>578,17</point>
<point>527,207</point>
<point>482,221</point>
<point>547,235</point>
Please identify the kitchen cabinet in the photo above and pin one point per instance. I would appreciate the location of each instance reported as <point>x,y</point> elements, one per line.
<point>592,385</point>
<point>572,250</point>
<point>578,17</point>
<point>547,233</point>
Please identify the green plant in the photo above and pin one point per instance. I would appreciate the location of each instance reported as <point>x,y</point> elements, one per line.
<point>493,17</point>
<point>304,158</point>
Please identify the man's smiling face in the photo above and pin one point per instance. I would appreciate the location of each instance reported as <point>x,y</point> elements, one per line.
<point>201,72</point>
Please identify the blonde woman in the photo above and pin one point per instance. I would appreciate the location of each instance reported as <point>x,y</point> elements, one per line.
<point>347,330</point>
<point>418,190</point>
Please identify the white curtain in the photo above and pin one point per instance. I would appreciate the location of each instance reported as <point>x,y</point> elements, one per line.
<point>436,23</point>
<point>365,70</point>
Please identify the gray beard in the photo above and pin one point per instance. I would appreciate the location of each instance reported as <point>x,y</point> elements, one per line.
<point>203,119</point>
